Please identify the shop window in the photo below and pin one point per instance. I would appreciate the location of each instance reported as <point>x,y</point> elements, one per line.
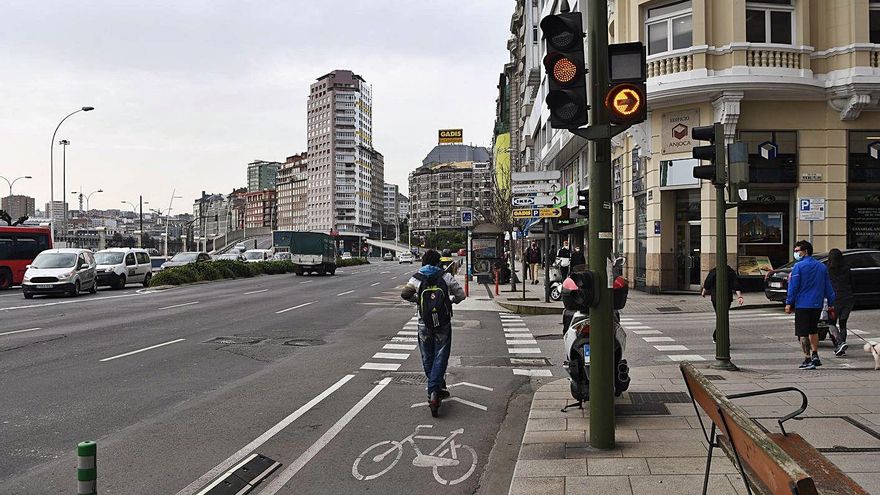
<point>669,27</point>
<point>675,174</point>
<point>874,21</point>
<point>770,21</point>
<point>638,172</point>
<point>641,265</point>
<point>864,157</point>
<point>772,156</point>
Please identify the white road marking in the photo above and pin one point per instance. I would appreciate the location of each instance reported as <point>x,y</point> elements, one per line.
<point>295,307</point>
<point>19,331</point>
<point>517,371</point>
<point>179,305</point>
<point>279,481</point>
<point>373,285</point>
<point>58,303</point>
<point>512,324</point>
<point>637,327</point>
<point>255,292</point>
<point>260,440</point>
<point>687,357</point>
<point>671,348</point>
<point>344,293</point>
<point>517,330</point>
<point>390,355</point>
<point>858,332</point>
<point>646,332</point>
<point>141,350</point>
<point>381,366</point>
<point>307,282</point>
<point>630,321</point>
<point>384,273</point>
<point>658,339</point>
<point>399,347</point>
<point>472,385</point>
<point>404,339</point>
<point>407,332</point>
<point>522,342</point>
<point>523,350</point>
<point>518,336</point>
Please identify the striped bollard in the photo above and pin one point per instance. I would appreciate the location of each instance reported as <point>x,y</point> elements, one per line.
<point>86,468</point>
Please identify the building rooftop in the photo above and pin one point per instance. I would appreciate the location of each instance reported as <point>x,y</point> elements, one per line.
<point>448,153</point>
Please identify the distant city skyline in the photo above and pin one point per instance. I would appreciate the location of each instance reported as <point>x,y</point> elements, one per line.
<point>208,93</point>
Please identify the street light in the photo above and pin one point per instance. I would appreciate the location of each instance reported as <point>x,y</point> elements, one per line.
<point>14,181</point>
<point>64,143</point>
<point>167,217</point>
<point>52,169</point>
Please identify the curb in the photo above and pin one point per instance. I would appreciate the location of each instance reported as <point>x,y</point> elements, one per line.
<point>525,309</point>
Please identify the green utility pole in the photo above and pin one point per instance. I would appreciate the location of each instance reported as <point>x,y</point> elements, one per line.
<point>722,320</point>
<point>599,248</point>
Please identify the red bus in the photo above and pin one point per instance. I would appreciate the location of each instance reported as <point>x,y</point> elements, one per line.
<point>18,248</point>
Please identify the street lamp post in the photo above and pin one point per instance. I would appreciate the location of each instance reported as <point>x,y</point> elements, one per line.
<point>64,143</point>
<point>14,181</point>
<point>52,169</point>
<point>167,217</point>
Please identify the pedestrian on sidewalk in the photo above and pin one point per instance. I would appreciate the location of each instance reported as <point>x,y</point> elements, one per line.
<point>732,287</point>
<point>577,258</point>
<point>434,291</point>
<point>533,258</point>
<point>564,257</point>
<point>841,282</point>
<point>808,287</point>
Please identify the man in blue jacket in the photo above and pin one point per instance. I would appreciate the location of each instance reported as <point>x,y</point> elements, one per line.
<point>808,287</point>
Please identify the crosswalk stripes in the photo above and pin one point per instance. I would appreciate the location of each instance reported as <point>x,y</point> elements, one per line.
<point>519,338</point>
<point>403,341</point>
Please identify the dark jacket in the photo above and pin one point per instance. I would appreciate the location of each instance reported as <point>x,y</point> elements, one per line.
<point>563,252</point>
<point>577,258</point>
<point>732,284</point>
<point>841,281</point>
<point>533,255</point>
<point>809,285</point>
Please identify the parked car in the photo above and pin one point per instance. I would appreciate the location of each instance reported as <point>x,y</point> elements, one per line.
<point>406,258</point>
<point>230,257</point>
<point>865,266</point>
<point>346,256</point>
<point>282,256</point>
<point>120,266</point>
<point>388,257</point>
<point>186,258</point>
<point>61,271</point>
<point>257,255</point>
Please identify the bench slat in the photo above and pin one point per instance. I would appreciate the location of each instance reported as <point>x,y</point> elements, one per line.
<point>829,479</point>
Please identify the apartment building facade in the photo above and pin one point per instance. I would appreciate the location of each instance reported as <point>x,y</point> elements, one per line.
<point>212,215</point>
<point>19,206</point>
<point>798,81</point>
<point>391,193</point>
<point>262,175</point>
<point>292,197</point>
<point>260,209</point>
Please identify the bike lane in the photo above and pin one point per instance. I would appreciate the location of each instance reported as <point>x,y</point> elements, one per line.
<point>386,440</point>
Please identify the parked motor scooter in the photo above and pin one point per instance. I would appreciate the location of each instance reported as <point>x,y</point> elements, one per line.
<point>575,292</point>
<point>556,280</point>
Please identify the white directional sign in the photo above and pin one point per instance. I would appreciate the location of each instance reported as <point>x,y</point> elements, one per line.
<point>533,176</point>
<point>811,209</point>
<point>547,187</point>
<point>536,200</point>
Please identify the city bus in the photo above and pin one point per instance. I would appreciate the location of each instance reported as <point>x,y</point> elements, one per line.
<point>18,248</point>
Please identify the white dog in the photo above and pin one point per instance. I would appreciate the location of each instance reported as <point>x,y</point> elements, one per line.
<point>874,349</point>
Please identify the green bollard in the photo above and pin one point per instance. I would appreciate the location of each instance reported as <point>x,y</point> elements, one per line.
<point>86,468</point>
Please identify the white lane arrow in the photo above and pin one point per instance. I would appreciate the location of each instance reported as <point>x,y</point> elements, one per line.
<point>456,399</point>
<point>469,384</point>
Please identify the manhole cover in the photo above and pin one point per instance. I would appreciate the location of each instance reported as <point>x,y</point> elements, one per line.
<point>406,378</point>
<point>552,336</point>
<point>529,362</point>
<point>502,362</point>
<point>303,342</point>
<point>668,309</point>
<point>234,340</point>
<point>650,403</point>
<point>715,378</point>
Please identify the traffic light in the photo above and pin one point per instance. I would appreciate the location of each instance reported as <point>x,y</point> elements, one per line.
<point>626,99</point>
<point>583,202</point>
<point>713,152</point>
<point>566,74</point>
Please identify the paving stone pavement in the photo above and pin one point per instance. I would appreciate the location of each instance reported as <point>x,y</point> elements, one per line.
<point>665,454</point>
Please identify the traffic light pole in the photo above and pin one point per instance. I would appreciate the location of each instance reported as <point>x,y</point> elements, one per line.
<point>599,248</point>
<point>722,303</point>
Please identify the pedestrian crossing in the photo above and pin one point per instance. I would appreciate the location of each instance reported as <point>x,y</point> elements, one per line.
<point>405,340</point>
<point>521,343</point>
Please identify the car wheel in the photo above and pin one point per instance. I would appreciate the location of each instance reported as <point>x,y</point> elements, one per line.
<point>28,295</point>
<point>147,278</point>
<point>5,279</point>
<point>120,282</point>
<point>76,288</point>
<point>94,288</point>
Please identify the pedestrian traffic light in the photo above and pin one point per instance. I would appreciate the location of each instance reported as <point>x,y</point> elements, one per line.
<point>713,152</point>
<point>583,202</point>
<point>626,99</point>
<point>566,74</point>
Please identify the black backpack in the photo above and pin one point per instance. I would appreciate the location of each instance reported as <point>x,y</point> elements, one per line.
<point>435,307</point>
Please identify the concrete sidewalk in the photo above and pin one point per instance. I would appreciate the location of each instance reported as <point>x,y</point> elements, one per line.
<point>661,449</point>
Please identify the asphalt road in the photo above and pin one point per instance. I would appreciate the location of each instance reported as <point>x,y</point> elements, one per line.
<point>320,374</point>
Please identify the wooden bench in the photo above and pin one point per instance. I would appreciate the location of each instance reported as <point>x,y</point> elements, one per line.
<point>775,463</point>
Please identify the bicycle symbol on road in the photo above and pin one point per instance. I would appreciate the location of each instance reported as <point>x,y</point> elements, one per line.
<point>443,460</point>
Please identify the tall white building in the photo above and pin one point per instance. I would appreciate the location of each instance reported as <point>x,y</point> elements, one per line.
<point>341,154</point>
<point>391,192</point>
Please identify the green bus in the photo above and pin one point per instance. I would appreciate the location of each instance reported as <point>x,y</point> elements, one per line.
<point>311,252</point>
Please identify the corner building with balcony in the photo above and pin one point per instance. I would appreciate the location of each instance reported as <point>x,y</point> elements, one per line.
<point>798,81</point>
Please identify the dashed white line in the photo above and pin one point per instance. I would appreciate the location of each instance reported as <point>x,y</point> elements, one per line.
<point>658,339</point>
<point>307,282</point>
<point>399,347</point>
<point>523,350</point>
<point>295,307</point>
<point>404,339</point>
<point>390,355</point>
<point>255,292</point>
<point>344,293</point>
<point>407,332</point>
<point>522,342</point>
<point>141,350</point>
<point>20,331</point>
<point>381,366</point>
<point>179,305</point>
<point>373,285</point>
<point>671,348</point>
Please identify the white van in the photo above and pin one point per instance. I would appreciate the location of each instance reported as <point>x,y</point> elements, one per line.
<point>120,266</point>
<point>257,255</point>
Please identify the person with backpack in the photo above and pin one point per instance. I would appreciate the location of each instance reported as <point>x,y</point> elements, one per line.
<point>434,291</point>
<point>841,281</point>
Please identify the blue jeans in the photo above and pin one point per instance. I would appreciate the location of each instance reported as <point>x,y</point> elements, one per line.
<point>435,346</point>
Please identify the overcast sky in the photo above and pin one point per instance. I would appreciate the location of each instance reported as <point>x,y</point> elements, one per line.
<point>187,92</point>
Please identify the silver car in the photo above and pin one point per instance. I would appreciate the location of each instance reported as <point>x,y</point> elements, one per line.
<point>186,258</point>
<point>61,271</point>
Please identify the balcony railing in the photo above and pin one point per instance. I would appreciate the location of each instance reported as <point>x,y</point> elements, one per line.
<point>875,58</point>
<point>671,64</point>
<point>782,58</point>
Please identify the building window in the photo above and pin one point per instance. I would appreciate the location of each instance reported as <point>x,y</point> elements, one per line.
<point>874,21</point>
<point>773,156</point>
<point>770,21</point>
<point>864,157</point>
<point>669,27</point>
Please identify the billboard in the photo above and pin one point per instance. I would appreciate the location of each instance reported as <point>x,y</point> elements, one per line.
<point>447,136</point>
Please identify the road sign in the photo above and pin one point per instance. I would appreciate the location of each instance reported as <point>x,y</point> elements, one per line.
<point>467,218</point>
<point>625,102</point>
<point>547,187</point>
<point>536,200</point>
<point>811,209</point>
<point>533,176</point>
<point>537,213</point>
